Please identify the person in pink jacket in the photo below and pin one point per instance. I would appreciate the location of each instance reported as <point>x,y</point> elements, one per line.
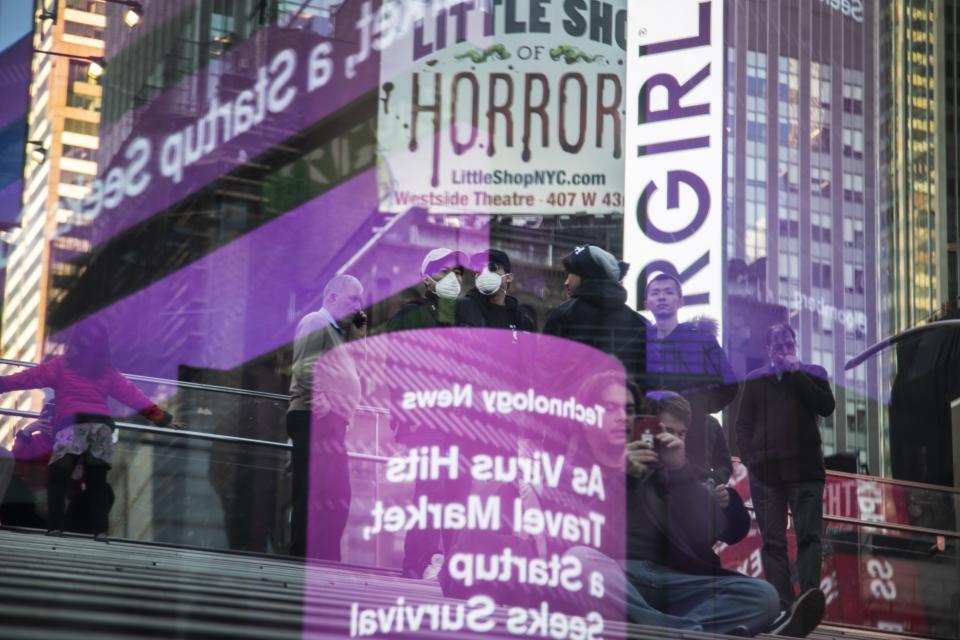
<point>82,379</point>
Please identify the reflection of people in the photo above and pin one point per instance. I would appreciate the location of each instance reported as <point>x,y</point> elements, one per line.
<point>779,442</point>
<point>596,313</point>
<point>424,549</point>
<point>82,379</point>
<point>663,571</point>
<point>489,304</point>
<point>685,357</point>
<point>675,521</point>
<point>324,393</point>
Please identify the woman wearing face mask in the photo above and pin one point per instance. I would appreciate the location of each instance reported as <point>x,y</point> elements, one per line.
<point>442,273</point>
<point>488,304</point>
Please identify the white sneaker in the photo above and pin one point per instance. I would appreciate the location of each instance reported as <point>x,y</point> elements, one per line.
<point>432,572</point>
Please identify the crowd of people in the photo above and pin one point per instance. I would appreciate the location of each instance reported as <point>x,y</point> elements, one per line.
<point>678,503</point>
<point>663,570</point>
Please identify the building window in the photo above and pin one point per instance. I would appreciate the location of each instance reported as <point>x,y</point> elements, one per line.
<point>90,6</point>
<point>83,30</point>
<point>853,143</point>
<point>80,126</point>
<point>80,153</point>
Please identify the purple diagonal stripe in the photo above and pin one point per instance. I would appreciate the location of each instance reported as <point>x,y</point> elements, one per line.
<point>246,298</point>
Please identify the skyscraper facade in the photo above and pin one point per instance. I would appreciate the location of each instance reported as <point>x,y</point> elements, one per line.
<point>800,187</point>
<point>64,118</point>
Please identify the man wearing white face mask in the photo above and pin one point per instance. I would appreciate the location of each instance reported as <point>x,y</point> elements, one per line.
<point>489,304</point>
<point>442,273</point>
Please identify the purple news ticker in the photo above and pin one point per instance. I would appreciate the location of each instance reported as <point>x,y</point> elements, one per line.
<point>270,87</point>
<point>245,299</point>
<point>512,467</point>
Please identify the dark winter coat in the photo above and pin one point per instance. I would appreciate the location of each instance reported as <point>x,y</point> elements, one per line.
<point>777,424</point>
<point>420,313</point>
<point>692,363</point>
<point>597,315</point>
<point>674,521</point>
<point>478,310</point>
<point>717,459</point>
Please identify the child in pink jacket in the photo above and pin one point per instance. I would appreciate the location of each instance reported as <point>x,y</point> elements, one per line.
<point>82,379</point>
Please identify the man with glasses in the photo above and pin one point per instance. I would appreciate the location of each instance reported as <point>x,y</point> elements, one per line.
<point>488,303</point>
<point>322,402</point>
<point>779,441</point>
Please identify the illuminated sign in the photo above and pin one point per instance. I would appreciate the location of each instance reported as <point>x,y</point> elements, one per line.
<point>513,110</point>
<point>674,149</point>
<point>519,471</point>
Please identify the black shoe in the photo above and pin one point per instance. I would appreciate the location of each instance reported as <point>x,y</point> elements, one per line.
<point>803,617</point>
<point>101,537</point>
<point>55,532</point>
<point>740,632</point>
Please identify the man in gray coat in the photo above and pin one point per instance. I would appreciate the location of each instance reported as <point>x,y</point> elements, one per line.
<point>324,393</point>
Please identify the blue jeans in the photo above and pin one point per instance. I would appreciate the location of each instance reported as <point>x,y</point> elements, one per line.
<point>657,596</point>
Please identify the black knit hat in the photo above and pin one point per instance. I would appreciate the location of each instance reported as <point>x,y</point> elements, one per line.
<point>480,260</point>
<point>593,263</point>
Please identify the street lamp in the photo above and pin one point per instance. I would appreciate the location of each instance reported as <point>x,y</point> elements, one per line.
<point>96,64</point>
<point>134,13</point>
<point>131,17</point>
<point>39,153</point>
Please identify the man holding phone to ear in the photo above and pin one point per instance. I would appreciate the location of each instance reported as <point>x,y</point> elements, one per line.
<point>322,402</point>
<point>779,440</point>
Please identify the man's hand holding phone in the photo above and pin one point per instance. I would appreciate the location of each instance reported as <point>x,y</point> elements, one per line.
<point>651,446</point>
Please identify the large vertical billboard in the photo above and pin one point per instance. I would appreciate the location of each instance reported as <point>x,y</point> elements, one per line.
<point>16,52</point>
<point>512,108</point>
<point>674,149</point>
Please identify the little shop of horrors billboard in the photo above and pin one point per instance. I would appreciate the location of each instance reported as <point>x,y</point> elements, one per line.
<point>506,106</point>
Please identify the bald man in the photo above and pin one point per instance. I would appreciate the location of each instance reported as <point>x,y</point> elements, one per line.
<point>324,392</point>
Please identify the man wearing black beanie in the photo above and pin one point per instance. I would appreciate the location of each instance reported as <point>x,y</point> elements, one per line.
<point>596,313</point>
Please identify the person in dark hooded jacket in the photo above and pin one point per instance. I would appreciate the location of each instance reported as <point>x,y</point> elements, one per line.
<point>488,303</point>
<point>596,313</point>
<point>685,357</point>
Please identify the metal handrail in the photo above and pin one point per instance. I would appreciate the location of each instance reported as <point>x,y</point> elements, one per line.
<point>907,528</point>
<point>199,435</point>
<point>200,386</point>
<point>899,337</point>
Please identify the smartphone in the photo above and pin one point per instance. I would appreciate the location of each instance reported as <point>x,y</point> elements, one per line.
<point>646,428</point>
<point>359,319</point>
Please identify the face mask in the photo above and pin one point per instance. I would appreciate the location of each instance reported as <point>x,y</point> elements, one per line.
<point>448,287</point>
<point>489,282</point>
